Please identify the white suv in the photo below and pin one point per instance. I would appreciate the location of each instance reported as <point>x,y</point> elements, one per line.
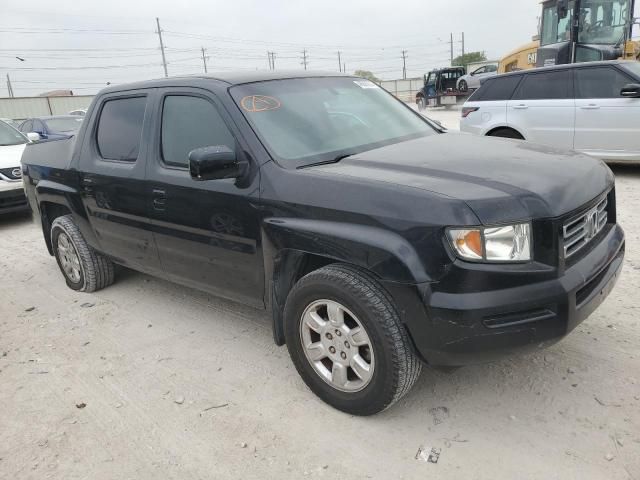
<point>590,107</point>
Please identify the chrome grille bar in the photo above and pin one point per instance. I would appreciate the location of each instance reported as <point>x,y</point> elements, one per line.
<point>580,230</point>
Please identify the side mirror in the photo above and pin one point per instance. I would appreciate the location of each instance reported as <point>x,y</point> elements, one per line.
<point>563,8</point>
<point>630,90</point>
<point>33,136</point>
<point>214,163</point>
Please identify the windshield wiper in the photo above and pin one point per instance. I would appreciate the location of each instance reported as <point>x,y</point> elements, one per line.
<point>342,156</point>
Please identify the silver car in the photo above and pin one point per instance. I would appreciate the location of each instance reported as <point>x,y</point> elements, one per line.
<point>471,81</point>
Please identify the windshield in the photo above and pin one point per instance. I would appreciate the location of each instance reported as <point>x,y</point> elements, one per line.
<point>555,29</point>
<point>601,22</point>
<point>604,22</point>
<point>10,136</point>
<point>64,124</point>
<point>311,120</point>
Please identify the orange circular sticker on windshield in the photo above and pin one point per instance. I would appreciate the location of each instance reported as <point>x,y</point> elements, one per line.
<point>259,103</point>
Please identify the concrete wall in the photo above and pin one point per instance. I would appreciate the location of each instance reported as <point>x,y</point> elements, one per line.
<point>405,90</point>
<point>25,107</point>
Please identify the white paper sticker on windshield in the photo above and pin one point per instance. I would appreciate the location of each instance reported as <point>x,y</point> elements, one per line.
<point>365,84</point>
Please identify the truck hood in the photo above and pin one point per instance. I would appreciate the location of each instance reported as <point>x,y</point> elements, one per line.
<point>500,180</point>
<point>10,155</point>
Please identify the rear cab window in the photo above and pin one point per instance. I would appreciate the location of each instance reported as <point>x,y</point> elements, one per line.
<point>119,128</point>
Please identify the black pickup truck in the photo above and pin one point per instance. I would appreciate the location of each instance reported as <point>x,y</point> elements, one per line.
<point>375,241</point>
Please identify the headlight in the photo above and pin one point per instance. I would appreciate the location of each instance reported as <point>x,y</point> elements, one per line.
<point>508,243</point>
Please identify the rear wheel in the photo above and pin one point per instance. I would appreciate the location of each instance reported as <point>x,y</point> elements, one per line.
<point>505,133</point>
<point>347,342</point>
<point>83,268</point>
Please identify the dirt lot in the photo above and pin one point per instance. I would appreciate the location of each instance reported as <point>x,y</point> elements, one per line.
<point>149,380</point>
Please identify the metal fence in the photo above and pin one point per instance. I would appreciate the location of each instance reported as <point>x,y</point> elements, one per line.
<point>25,107</point>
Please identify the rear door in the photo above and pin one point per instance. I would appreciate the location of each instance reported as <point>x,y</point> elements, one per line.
<point>207,232</point>
<point>543,108</point>
<point>490,104</point>
<point>112,179</point>
<point>607,124</point>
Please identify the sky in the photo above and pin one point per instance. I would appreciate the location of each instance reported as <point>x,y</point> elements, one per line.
<point>84,44</point>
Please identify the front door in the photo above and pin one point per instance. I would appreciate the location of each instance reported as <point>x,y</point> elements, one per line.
<point>112,180</point>
<point>607,124</point>
<point>543,108</point>
<point>207,232</point>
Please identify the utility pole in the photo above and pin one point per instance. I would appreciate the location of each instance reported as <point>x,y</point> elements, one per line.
<point>344,67</point>
<point>463,44</point>
<point>164,60</point>
<point>339,62</point>
<point>452,49</point>
<point>304,58</point>
<point>9,87</point>
<point>272,60</point>
<point>404,64</point>
<point>204,60</point>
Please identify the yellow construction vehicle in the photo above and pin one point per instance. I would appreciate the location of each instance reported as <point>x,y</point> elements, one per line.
<point>578,31</point>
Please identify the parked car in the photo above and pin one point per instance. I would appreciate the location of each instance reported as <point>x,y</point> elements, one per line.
<point>81,112</point>
<point>12,143</point>
<point>52,127</point>
<point>593,108</point>
<point>471,81</point>
<point>372,240</point>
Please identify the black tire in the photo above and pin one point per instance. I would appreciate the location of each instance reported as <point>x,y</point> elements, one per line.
<point>96,271</point>
<point>463,86</point>
<point>396,366</point>
<point>422,103</point>
<point>505,133</point>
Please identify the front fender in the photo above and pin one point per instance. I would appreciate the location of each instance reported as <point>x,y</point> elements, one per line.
<point>386,254</point>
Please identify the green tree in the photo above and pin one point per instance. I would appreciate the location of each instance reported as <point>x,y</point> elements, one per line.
<point>367,74</point>
<point>467,58</point>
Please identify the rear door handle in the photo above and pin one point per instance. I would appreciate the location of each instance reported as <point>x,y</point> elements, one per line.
<point>591,106</point>
<point>521,106</point>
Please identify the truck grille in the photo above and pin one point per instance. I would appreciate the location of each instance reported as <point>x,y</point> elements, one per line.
<point>580,230</point>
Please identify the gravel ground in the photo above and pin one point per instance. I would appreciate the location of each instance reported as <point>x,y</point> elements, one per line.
<point>148,380</point>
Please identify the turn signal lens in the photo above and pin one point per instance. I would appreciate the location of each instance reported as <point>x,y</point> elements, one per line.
<point>468,243</point>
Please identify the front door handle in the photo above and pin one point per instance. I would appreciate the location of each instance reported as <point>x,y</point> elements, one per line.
<point>591,106</point>
<point>159,199</point>
<point>521,106</point>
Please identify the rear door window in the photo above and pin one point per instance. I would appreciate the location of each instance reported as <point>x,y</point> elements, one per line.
<point>599,82</point>
<point>120,128</point>
<point>546,86</point>
<point>500,88</point>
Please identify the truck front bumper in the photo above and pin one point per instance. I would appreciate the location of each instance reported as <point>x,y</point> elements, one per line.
<point>451,329</point>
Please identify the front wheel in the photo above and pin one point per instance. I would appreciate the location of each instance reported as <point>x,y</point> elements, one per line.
<point>463,86</point>
<point>422,103</point>
<point>347,342</point>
